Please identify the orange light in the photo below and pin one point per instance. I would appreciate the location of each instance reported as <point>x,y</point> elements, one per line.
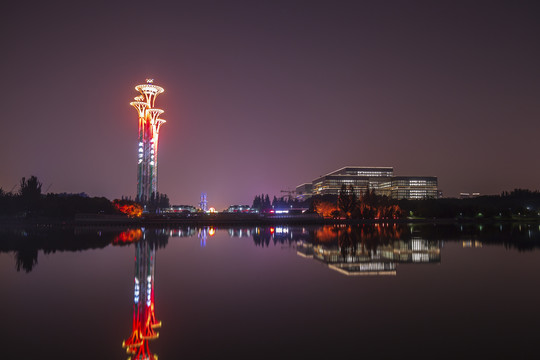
<point>128,236</point>
<point>130,208</point>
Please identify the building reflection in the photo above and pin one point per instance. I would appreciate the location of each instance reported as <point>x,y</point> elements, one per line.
<point>144,322</point>
<point>187,231</point>
<point>368,250</point>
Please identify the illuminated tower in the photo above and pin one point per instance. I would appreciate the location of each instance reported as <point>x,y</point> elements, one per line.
<point>149,124</point>
<point>144,319</point>
<point>203,204</point>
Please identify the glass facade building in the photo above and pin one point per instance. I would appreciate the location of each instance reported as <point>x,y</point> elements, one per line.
<point>414,187</point>
<point>304,190</point>
<point>361,178</point>
<point>379,179</point>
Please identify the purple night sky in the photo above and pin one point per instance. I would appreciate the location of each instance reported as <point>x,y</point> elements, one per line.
<point>261,96</point>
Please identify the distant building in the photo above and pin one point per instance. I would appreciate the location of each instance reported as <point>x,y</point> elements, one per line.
<point>304,191</point>
<point>180,209</point>
<point>361,178</point>
<point>414,187</point>
<point>379,179</point>
<point>241,209</point>
<point>466,195</point>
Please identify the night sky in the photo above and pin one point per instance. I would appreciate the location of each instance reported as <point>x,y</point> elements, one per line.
<point>261,96</point>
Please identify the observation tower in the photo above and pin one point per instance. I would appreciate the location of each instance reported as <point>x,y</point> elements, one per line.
<point>149,124</point>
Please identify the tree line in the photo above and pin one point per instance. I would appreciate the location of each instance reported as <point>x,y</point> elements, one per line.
<point>29,202</point>
<point>350,206</point>
<point>519,204</point>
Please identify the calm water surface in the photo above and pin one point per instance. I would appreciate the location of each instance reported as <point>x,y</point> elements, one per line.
<point>266,293</point>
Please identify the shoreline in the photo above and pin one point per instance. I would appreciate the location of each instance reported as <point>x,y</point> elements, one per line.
<point>240,220</point>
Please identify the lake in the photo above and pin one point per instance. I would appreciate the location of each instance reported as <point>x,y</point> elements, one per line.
<point>376,291</point>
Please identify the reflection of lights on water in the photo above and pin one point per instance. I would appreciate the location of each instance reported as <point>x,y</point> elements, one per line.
<point>137,291</point>
<point>144,320</point>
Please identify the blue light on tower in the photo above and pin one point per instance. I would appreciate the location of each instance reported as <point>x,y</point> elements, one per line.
<point>203,204</point>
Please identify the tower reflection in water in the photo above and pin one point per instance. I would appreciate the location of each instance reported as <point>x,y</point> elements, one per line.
<point>145,324</point>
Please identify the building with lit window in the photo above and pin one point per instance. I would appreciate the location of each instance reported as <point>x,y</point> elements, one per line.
<point>241,209</point>
<point>379,179</point>
<point>182,209</point>
<point>304,191</point>
<point>361,178</point>
<point>414,187</point>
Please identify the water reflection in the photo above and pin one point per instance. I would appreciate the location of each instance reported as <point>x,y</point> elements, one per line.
<point>203,234</point>
<point>145,324</point>
<point>373,250</point>
<point>371,241</point>
<point>25,243</point>
<point>224,318</point>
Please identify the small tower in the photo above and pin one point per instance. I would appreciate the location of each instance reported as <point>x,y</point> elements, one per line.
<point>203,204</point>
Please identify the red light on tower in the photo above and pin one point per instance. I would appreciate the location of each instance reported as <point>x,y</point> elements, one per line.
<point>149,125</point>
<point>144,319</point>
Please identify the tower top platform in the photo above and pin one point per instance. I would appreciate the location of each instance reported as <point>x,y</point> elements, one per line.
<point>149,89</point>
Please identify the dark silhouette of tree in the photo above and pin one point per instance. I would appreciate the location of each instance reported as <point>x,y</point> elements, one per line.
<point>26,259</point>
<point>347,200</point>
<point>30,193</point>
<point>157,201</point>
<point>262,203</point>
<point>31,188</point>
<point>257,203</point>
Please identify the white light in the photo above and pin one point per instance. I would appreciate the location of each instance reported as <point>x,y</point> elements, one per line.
<point>151,163</point>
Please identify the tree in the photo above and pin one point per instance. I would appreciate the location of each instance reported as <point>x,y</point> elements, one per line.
<point>31,188</point>
<point>256,202</point>
<point>30,192</point>
<point>128,207</point>
<point>325,209</point>
<point>347,200</point>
